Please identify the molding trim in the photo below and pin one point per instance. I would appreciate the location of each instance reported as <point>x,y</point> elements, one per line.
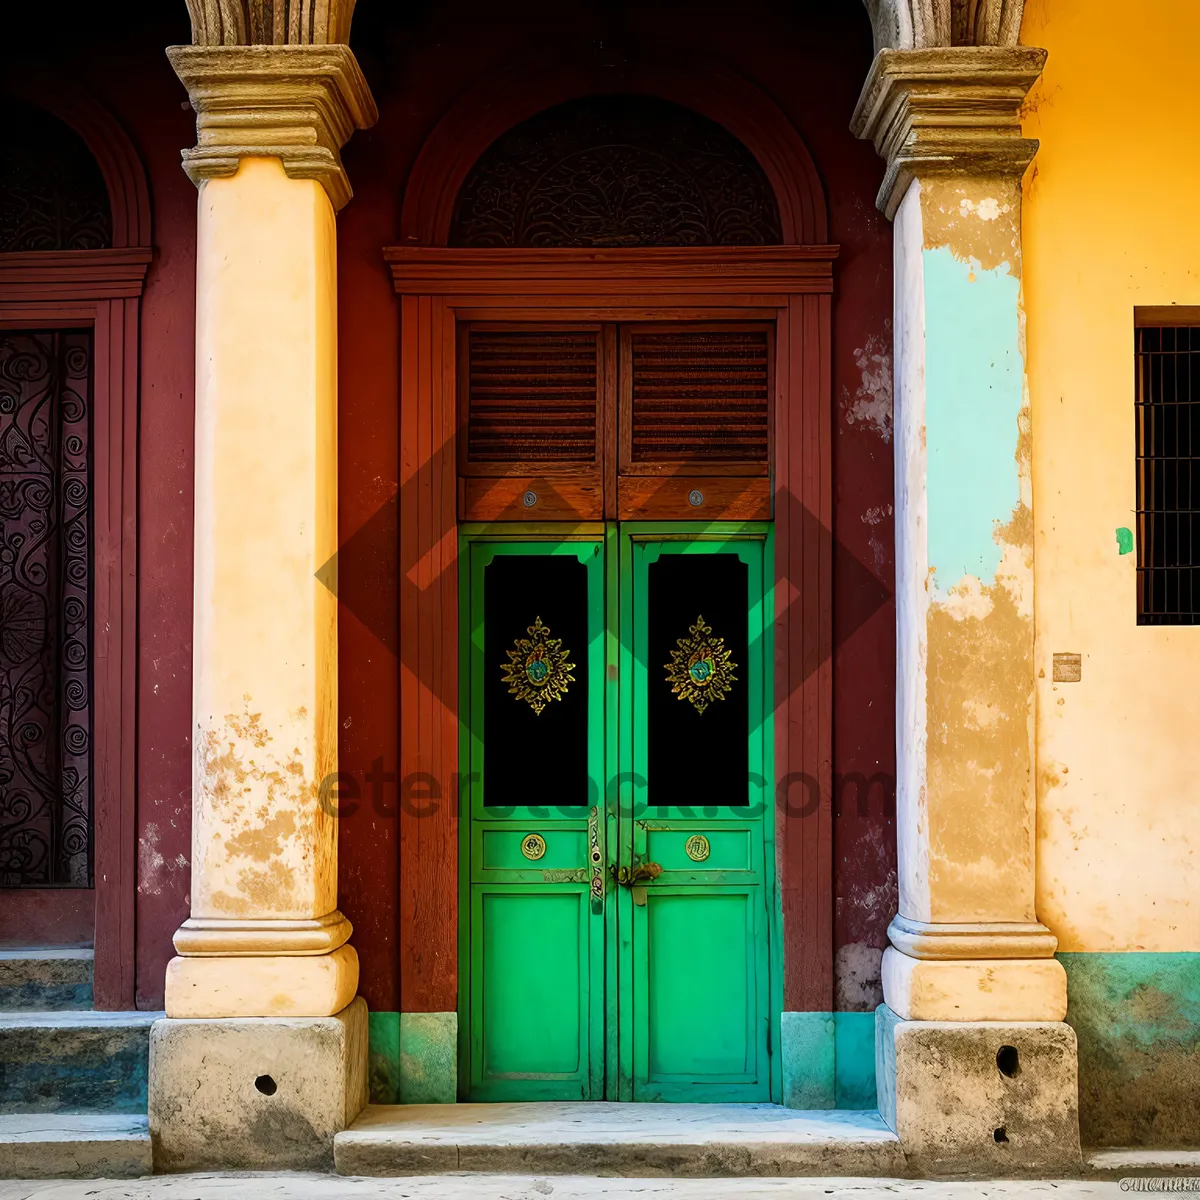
<point>651,271</point>
<point>988,939</point>
<point>201,937</point>
<point>299,104</point>
<point>946,112</point>
<point>74,274</point>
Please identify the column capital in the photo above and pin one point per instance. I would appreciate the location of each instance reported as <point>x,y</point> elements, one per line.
<point>947,111</point>
<point>299,104</point>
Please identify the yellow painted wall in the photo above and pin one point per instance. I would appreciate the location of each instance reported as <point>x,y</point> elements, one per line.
<point>1111,220</point>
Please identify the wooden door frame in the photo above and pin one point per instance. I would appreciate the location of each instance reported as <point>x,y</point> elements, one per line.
<point>99,290</point>
<point>438,286</point>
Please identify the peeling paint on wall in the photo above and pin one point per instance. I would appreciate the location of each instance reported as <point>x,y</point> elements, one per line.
<point>857,977</point>
<point>875,517</point>
<point>257,822</point>
<point>871,404</point>
<point>155,871</point>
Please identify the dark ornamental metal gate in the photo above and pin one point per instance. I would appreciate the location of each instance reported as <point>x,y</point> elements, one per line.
<point>45,609</point>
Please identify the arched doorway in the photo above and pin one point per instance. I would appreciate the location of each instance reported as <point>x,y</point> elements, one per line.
<point>74,249</point>
<point>613,367</point>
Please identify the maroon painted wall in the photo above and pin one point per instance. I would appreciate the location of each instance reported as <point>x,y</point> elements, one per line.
<point>811,60</point>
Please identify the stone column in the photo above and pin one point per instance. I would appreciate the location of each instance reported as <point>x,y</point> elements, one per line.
<point>263,987</point>
<point>967,947</point>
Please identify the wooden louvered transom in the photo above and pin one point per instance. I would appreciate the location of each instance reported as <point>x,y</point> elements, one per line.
<point>616,420</point>
<point>699,395</point>
<point>531,396</point>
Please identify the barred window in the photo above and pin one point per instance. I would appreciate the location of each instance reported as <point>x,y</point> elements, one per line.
<point>1168,473</point>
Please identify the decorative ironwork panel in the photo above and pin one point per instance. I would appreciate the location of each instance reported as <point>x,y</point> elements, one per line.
<point>617,171</point>
<point>45,609</point>
<point>52,194</point>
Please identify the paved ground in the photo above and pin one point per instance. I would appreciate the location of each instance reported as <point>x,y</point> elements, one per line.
<point>559,1187</point>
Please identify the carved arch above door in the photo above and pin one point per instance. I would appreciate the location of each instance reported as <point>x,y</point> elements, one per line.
<point>502,101</point>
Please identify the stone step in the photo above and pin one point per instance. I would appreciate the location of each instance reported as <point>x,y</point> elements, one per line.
<point>40,980</point>
<point>707,1140</point>
<point>1133,1163</point>
<point>74,1061</point>
<point>74,1146</point>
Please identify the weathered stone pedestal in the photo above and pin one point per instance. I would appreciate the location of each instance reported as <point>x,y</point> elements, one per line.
<point>980,1098</point>
<point>260,1093</point>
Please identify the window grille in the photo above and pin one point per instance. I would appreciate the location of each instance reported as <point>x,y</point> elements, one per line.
<point>1168,474</point>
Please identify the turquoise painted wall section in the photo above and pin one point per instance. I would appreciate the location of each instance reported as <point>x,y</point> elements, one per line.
<point>1137,1018</point>
<point>806,1046</point>
<point>828,1060</point>
<point>971,318</point>
<point>383,1057</point>
<point>854,1060</point>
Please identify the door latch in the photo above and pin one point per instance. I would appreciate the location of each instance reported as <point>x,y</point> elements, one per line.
<point>636,877</point>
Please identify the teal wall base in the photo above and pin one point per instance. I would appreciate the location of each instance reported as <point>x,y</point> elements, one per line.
<point>428,1058</point>
<point>1137,1019</point>
<point>828,1059</point>
<point>383,1057</point>
<point>413,1058</point>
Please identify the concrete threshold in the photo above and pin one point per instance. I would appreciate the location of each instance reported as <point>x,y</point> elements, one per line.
<point>74,1146</point>
<point>604,1139</point>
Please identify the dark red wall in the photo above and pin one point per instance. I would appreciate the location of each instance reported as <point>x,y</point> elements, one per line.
<point>811,60</point>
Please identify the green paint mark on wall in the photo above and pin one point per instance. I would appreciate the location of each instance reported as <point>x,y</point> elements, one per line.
<point>1124,540</point>
<point>973,399</point>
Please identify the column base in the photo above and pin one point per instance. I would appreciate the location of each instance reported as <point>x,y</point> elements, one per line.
<point>980,1098</point>
<point>255,1093</point>
<point>984,989</point>
<point>276,986</point>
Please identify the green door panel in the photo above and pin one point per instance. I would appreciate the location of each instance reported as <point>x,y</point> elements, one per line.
<point>533,1022</point>
<point>650,763</point>
<point>698,966</point>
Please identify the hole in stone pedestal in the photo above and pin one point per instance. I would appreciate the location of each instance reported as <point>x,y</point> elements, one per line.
<point>1000,1136</point>
<point>1008,1060</point>
<point>266,1085</point>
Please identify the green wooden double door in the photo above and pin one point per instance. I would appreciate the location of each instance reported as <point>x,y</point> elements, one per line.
<point>617,852</point>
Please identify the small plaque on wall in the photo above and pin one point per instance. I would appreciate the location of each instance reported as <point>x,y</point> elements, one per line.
<point>1068,668</point>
